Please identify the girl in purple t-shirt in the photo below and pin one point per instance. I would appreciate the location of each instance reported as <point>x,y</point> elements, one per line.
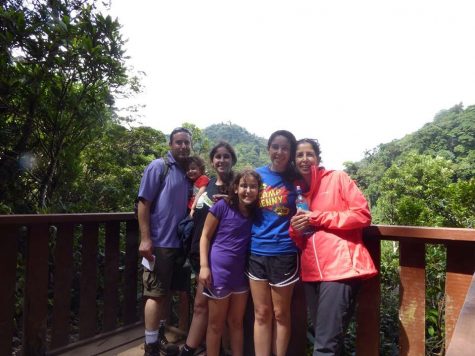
<point>224,246</point>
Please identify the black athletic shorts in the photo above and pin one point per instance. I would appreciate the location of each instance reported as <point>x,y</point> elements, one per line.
<point>279,271</point>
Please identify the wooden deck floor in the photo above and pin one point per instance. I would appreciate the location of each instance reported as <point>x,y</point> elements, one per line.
<point>125,343</point>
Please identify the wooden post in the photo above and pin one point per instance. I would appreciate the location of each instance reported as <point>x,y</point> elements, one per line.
<point>8,258</point>
<point>111,276</point>
<point>412,303</point>
<point>460,268</point>
<point>369,302</point>
<point>131,273</point>
<point>35,307</point>
<point>298,336</point>
<point>87,306</point>
<point>63,276</point>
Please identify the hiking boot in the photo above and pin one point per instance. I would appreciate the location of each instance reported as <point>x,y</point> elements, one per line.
<point>166,348</point>
<point>187,352</point>
<point>152,349</point>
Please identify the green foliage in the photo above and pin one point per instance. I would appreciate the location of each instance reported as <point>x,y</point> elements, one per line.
<point>451,136</point>
<point>424,179</point>
<point>251,150</point>
<point>389,330</point>
<point>59,67</point>
<point>460,203</point>
<point>413,191</point>
<point>201,143</point>
<point>232,134</point>
<point>435,299</point>
<point>110,169</point>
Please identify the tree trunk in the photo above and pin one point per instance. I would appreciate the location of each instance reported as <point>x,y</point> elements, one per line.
<point>47,180</point>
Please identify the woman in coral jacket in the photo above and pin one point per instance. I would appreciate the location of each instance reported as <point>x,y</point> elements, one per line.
<point>334,259</point>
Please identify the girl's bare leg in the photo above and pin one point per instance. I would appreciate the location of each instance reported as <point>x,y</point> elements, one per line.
<point>281,300</point>
<point>218,311</point>
<point>237,307</point>
<point>261,296</point>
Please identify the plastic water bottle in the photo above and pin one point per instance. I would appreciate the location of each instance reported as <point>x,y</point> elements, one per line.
<point>301,204</point>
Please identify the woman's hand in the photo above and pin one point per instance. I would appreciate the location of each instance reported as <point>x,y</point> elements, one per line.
<point>205,276</point>
<point>301,220</point>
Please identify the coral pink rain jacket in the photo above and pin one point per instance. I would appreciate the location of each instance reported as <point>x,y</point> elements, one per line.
<point>339,213</point>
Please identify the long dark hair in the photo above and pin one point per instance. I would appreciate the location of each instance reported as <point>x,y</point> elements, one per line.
<point>228,179</point>
<point>233,199</point>
<point>290,172</point>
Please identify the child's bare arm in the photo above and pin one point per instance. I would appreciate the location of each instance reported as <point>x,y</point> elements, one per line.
<point>211,223</point>
<point>195,201</point>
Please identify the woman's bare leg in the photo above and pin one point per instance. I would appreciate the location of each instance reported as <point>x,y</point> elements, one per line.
<point>261,296</point>
<point>199,322</point>
<point>281,300</point>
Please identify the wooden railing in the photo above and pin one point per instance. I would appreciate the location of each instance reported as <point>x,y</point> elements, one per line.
<point>460,266</point>
<point>45,250</point>
<point>47,260</point>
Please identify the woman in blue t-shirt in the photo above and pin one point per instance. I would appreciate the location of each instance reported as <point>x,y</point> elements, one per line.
<point>273,265</point>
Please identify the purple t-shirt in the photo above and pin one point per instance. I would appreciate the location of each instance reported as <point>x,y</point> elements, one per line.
<point>229,248</point>
<point>170,202</point>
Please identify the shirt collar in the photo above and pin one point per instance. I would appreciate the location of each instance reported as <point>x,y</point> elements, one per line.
<point>171,159</point>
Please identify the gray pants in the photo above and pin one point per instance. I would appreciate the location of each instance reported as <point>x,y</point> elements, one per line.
<point>331,305</point>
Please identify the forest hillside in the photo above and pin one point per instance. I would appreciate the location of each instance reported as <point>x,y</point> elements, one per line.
<point>427,177</point>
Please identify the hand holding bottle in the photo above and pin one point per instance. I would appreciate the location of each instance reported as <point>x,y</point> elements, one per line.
<point>300,202</point>
<point>301,220</point>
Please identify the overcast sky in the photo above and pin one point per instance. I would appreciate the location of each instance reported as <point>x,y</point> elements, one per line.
<point>353,74</point>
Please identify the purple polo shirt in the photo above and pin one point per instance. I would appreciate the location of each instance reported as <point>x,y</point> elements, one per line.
<point>171,204</point>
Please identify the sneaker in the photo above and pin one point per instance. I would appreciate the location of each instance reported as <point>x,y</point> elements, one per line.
<point>185,352</point>
<point>200,350</point>
<point>152,349</point>
<point>166,348</point>
<point>169,349</point>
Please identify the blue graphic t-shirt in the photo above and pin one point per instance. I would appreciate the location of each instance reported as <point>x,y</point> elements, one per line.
<point>270,229</point>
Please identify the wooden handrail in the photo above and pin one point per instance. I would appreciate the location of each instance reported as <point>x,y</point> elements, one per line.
<point>428,234</point>
<point>28,219</point>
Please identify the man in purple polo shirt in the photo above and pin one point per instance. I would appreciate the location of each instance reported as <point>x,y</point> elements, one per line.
<point>162,204</point>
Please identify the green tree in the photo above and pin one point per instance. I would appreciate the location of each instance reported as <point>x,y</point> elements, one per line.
<point>250,149</point>
<point>60,63</point>
<point>421,190</point>
<point>451,135</point>
<point>460,203</point>
<point>110,169</point>
<point>201,143</point>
